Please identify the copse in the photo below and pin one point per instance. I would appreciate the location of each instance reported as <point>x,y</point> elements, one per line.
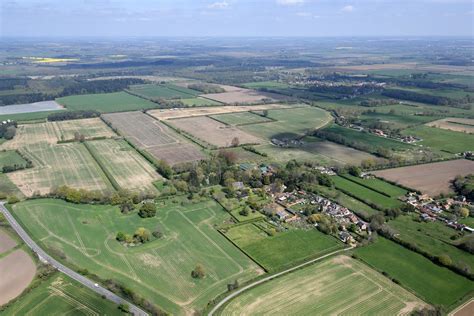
<point>148,209</point>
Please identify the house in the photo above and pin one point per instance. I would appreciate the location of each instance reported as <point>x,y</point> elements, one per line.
<point>345,237</point>
<point>362,225</point>
<point>238,185</point>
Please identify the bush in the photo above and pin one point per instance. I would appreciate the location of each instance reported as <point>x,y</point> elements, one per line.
<point>198,272</point>
<point>148,209</point>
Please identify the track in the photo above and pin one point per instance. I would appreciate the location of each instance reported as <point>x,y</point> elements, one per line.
<point>70,273</point>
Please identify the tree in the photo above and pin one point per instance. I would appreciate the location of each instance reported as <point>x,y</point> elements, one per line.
<point>354,170</point>
<point>244,211</point>
<point>124,308</point>
<point>126,207</point>
<point>10,132</point>
<point>265,113</point>
<point>445,260</point>
<point>120,237</point>
<point>12,199</point>
<point>142,235</point>
<point>235,142</point>
<point>198,272</point>
<point>148,209</point>
<point>464,212</point>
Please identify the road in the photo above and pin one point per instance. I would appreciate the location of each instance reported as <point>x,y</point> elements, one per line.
<point>70,273</point>
<point>268,278</point>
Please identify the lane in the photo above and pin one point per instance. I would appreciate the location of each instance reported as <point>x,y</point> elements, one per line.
<point>43,256</point>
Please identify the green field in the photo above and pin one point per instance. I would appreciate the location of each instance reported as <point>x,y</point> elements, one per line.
<point>265,84</point>
<point>432,283</point>
<point>453,142</point>
<point>284,249</point>
<point>7,187</point>
<point>20,117</point>
<point>290,122</point>
<point>11,158</point>
<point>155,91</point>
<point>338,286</point>
<point>397,120</point>
<point>432,237</point>
<point>199,102</point>
<point>240,118</point>
<point>106,102</point>
<point>365,194</point>
<point>378,185</point>
<point>243,155</point>
<point>159,270</point>
<point>60,295</point>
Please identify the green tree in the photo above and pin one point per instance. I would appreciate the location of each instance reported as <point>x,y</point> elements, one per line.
<point>198,272</point>
<point>120,237</point>
<point>148,209</point>
<point>142,235</point>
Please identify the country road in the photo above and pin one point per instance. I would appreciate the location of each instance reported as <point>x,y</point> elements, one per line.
<point>72,274</point>
<point>268,278</point>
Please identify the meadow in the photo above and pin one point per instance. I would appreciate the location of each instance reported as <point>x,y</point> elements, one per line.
<point>106,102</point>
<point>86,236</point>
<point>283,249</point>
<point>337,286</point>
<point>445,140</point>
<point>434,284</point>
<point>61,295</point>
<point>378,186</point>
<point>11,158</point>
<point>156,91</point>
<point>265,84</point>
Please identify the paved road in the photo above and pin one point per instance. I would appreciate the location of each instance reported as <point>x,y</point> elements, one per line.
<point>72,274</point>
<point>268,278</point>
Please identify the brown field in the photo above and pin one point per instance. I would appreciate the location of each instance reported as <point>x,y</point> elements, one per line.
<point>155,137</point>
<point>243,96</point>
<point>17,272</point>
<point>214,132</point>
<point>91,127</point>
<point>454,124</point>
<point>432,178</point>
<point>466,309</point>
<point>214,110</point>
<point>6,242</point>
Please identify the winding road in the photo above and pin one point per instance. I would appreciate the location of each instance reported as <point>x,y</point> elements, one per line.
<point>44,257</point>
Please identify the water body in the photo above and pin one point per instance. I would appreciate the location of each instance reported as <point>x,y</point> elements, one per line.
<point>31,107</point>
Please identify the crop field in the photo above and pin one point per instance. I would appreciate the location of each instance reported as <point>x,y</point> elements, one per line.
<point>55,165</point>
<point>398,119</point>
<point>213,132</point>
<point>126,166</point>
<point>18,270</point>
<point>167,114</point>
<point>454,124</point>
<point>7,187</point>
<point>432,178</point>
<point>284,248</point>
<point>32,134</point>
<point>446,140</point>
<point>155,137</point>
<point>241,118</point>
<point>60,295</point>
<point>338,286</point>
<point>265,84</point>
<point>106,102</point>
<point>89,128</point>
<point>243,96</point>
<point>378,185</point>
<point>156,91</point>
<point>434,284</point>
<point>199,102</point>
<point>365,194</point>
<point>11,158</point>
<point>290,122</point>
<point>86,234</point>
<point>432,237</point>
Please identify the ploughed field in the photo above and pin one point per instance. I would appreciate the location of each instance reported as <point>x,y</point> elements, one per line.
<point>340,285</point>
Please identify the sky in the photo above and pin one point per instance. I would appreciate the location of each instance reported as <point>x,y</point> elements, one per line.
<point>308,18</point>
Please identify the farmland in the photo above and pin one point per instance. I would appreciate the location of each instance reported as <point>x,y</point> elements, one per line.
<point>11,158</point>
<point>241,118</point>
<point>7,187</point>
<point>213,132</point>
<point>155,91</point>
<point>284,248</point>
<point>243,96</point>
<point>89,128</point>
<point>445,140</point>
<point>32,134</point>
<point>313,290</point>
<point>432,178</point>
<point>154,137</point>
<point>30,107</point>
<point>432,283</point>
<point>106,102</point>
<point>128,168</point>
<point>454,124</point>
<point>60,295</point>
<point>86,235</point>
<point>378,185</point>
<point>18,270</point>
<point>198,101</point>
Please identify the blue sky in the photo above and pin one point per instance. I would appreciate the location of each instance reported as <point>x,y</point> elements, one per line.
<point>236,18</point>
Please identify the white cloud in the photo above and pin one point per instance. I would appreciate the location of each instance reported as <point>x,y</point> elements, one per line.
<point>348,8</point>
<point>290,2</point>
<point>307,15</point>
<point>218,5</point>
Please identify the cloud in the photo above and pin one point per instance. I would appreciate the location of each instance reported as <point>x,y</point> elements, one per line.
<point>348,8</point>
<point>290,2</point>
<point>218,5</point>
<point>307,15</point>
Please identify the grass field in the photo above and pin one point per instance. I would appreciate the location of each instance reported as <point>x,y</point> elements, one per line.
<point>284,249</point>
<point>199,102</point>
<point>156,91</point>
<point>378,185</point>
<point>32,134</point>
<point>453,142</point>
<point>398,120</point>
<point>365,194</point>
<point>106,102</point>
<point>434,284</point>
<point>60,295</point>
<point>126,166</point>
<point>89,128</point>
<point>7,187</point>
<point>11,158</point>
<point>454,124</point>
<point>159,270</point>
<point>21,117</point>
<point>290,122</point>
<point>338,286</point>
<point>265,84</point>
<point>241,118</point>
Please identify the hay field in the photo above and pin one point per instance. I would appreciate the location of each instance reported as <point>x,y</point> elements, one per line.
<point>89,128</point>
<point>213,132</point>
<point>127,167</point>
<point>455,124</point>
<point>431,178</point>
<point>159,270</point>
<point>167,114</point>
<point>337,286</point>
<point>55,165</point>
<point>17,270</point>
<point>155,137</point>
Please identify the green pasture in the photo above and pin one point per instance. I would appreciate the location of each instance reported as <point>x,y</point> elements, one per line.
<point>240,118</point>
<point>441,139</point>
<point>11,158</point>
<point>378,185</point>
<point>155,91</point>
<point>265,84</point>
